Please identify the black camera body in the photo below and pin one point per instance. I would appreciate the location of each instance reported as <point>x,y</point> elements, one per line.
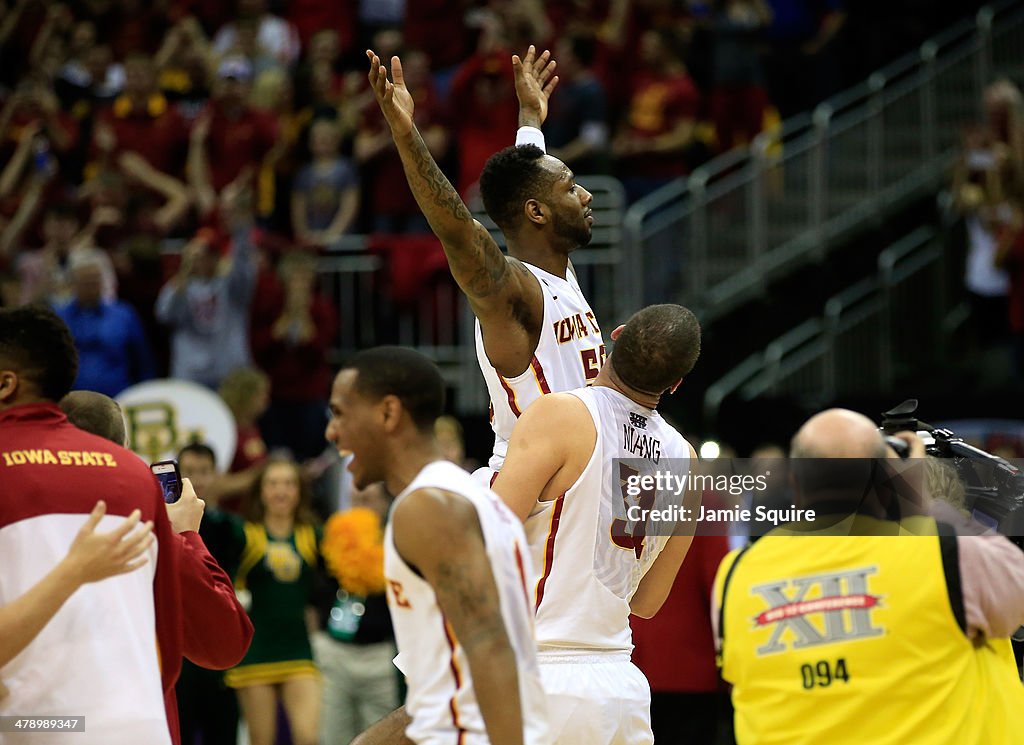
<point>993,486</point>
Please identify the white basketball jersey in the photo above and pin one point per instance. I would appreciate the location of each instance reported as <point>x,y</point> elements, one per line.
<point>569,355</point>
<point>441,700</point>
<point>590,557</point>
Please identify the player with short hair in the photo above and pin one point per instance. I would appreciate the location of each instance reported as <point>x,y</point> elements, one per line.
<point>133,628</point>
<point>535,331</point>
<point>569,474</point>
<point>455,561</point>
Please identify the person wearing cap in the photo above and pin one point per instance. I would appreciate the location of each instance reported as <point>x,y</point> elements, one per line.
<point>229,135</point>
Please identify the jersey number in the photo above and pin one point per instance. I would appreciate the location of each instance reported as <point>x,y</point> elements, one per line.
<point>593,361</point>
<point>621,535</point>
<point>822,674</point>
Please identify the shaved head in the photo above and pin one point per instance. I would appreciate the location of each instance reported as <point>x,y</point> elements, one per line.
<point>838,433</point>
<point>833,462</point>
<point>95,413</point>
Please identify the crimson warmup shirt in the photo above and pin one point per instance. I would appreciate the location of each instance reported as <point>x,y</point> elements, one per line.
<point>114,649</point>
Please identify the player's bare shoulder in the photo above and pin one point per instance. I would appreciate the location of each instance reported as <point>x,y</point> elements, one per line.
<point>560,424</point>
<point>429,505</point>
<point>430,514</point>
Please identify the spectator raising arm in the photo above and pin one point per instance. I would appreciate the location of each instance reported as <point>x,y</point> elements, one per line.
<point>14,169</point>
<point>30,201</point>
<point>198,166</point>
<point>171,189</point>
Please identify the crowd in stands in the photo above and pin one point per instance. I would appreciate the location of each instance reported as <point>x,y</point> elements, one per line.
<point>124,125</point>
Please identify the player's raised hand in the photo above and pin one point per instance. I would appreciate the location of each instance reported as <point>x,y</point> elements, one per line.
<point>94,556</point>
<point>535,81</point>
<point>394,98</point>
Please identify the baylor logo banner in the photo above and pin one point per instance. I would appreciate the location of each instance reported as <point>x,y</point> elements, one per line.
<point>162,416</point>
<point>817,610</point>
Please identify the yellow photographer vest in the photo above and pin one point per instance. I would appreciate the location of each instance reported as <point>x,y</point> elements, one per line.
<point>859,639</point>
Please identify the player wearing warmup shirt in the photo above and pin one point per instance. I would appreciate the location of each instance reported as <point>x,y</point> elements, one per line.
<point>598,556</point>
<point>535,331</point>
<point>455,560</point>
<point>115,646</point>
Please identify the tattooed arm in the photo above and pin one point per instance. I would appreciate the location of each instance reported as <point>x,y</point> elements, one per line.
<point>439,534</point>
<point>478,265</point>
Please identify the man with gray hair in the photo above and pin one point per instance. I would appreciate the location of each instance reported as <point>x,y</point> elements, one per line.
<point>112,349</point>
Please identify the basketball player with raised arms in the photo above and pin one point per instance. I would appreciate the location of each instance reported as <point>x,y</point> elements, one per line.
<point>599,556</point>
<point>455,561</point>
<point>535,332</point>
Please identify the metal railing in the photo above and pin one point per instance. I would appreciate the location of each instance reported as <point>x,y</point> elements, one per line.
<point>712,240</point>
<point>872,334</point>
<point>439,322</point>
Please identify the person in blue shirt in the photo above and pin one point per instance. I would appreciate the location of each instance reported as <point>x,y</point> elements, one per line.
<point>112,349</point>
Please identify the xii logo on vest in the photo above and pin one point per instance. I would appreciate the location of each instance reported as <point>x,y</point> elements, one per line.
<point>817,610</point>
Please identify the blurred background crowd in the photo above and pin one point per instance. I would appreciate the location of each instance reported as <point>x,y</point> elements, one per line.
<point>121,124</point>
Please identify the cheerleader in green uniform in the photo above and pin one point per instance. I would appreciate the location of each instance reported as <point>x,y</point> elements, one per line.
<point>279,551</point>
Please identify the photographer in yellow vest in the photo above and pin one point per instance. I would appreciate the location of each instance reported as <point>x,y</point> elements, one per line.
<point>871,625</point>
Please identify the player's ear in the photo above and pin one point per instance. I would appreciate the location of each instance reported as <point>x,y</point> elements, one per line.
<point>8,385</point>
<point>390,410</point>
<point>674,386</point>
<point>536,212</point>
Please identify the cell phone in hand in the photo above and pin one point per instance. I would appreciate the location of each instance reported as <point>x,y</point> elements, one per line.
<point>169,476</point>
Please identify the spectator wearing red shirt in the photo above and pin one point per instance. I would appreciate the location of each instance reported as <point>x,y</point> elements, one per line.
<point>676,651</point>
<point>292,329</point>
<point>392,204</point>
<point>661,121</point>
<point>142,120</point>
<point>34,105</point>
<point>229,135</point>
<point>483,94</point>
